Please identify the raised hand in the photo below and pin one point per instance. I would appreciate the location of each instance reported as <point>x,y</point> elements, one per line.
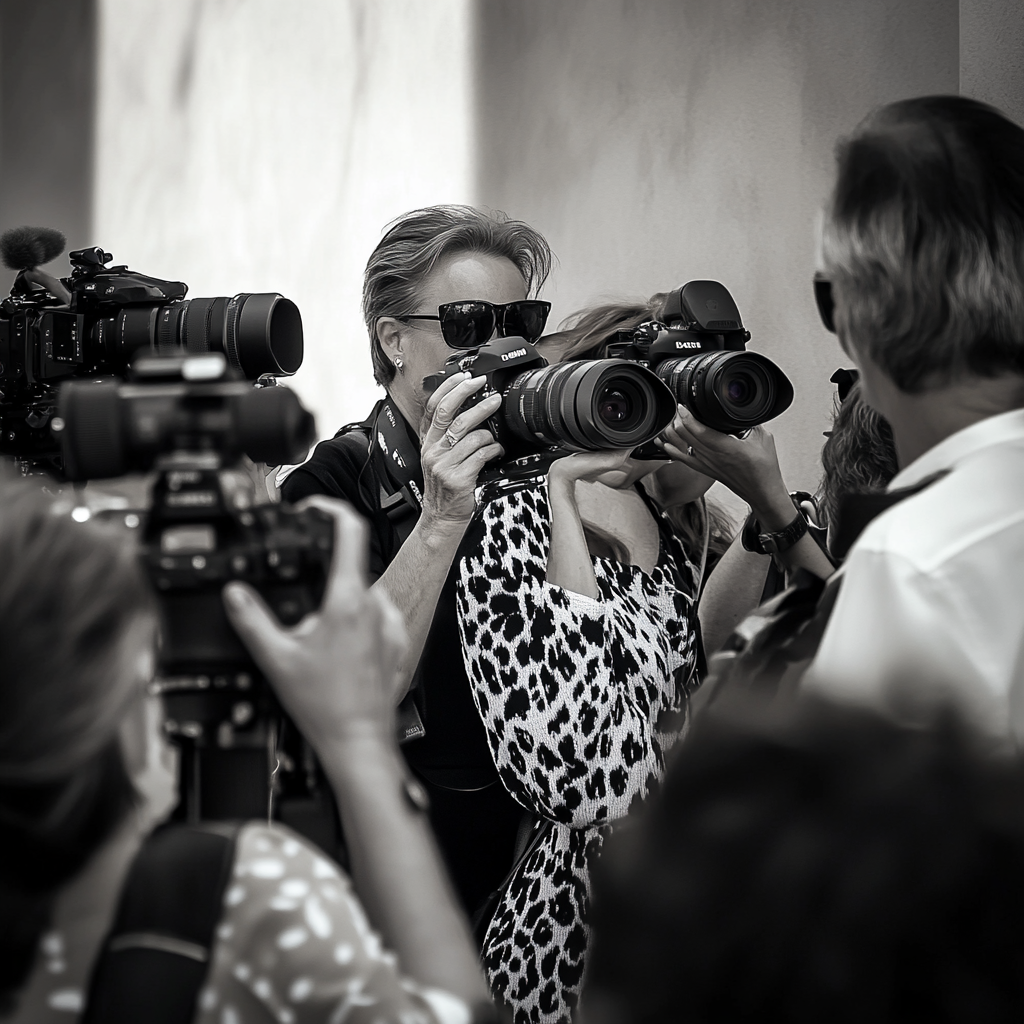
<point>453,451</point>
<point>335,671</point>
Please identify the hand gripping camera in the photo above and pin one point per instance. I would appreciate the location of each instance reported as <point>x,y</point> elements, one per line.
<point>699,351</point>
<point>581,405</point>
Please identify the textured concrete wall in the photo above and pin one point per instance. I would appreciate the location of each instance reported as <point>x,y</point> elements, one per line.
<point>47,73</point>
<point>992,53</point>
<point>658,141</point>
<point>255,145</point>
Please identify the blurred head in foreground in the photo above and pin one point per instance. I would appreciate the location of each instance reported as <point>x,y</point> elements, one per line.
<point>817,864</point>
<point>77,627</point>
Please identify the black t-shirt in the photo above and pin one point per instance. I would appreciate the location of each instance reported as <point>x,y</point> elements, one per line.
<point>454,750</point>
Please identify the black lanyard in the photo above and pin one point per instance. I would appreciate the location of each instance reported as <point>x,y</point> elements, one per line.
<point>396,453</point>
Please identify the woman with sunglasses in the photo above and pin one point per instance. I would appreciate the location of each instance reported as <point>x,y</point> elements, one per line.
<point>441,279</point>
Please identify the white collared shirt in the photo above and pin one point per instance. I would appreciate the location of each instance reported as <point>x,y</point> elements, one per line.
<point>933,589</point>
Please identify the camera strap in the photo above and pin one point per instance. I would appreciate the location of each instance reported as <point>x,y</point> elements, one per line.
<point>157,953</point>
<point>396,458</point>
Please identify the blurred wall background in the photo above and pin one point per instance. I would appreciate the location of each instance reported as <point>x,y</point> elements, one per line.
<point>245,145</point>
<point>661,141</point>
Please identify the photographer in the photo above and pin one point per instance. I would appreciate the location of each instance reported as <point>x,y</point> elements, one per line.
<point>84,778</point>
<point>924,284</point>
<point>577,610</point>
<point>441,278</point>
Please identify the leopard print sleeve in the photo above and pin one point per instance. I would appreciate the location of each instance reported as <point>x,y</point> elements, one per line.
<point>570,689</point>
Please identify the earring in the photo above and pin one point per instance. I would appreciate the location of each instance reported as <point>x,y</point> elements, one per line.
<point>399,365</point>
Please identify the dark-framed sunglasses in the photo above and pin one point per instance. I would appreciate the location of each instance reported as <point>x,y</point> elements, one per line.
<point>826,304</point>
<point>470,323</point>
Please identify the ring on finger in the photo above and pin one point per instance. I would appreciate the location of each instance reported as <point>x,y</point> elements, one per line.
<point>689,450</point>
<point>450,438</point>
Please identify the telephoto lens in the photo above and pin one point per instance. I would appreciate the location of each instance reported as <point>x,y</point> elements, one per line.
<point>728,391</point>
<point>257,333</point>
<point>589,405</point>
<point>109,428</point>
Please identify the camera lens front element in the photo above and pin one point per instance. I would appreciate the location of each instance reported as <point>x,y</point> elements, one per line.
<point>589,405</point>
<point>614,406</point>
<point>728,391</point>
<point>258,333</point>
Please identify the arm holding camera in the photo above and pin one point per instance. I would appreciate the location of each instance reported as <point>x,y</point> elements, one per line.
<point>453,451</point>
<point>335,673</point>
<point>748,466</point>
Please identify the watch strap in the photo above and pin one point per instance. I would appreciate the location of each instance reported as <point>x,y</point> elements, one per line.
<point>763,542</point>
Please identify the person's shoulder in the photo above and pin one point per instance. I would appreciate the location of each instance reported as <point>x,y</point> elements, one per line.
<point>970,508</point>
<point>293,934</point>
<point>335,468</point>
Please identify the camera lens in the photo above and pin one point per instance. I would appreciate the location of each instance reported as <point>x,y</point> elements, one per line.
<point>739,390</point>
<point>728,391</point>
<point>592,405</point>
<point>614,406</point>
<point>258,333</point>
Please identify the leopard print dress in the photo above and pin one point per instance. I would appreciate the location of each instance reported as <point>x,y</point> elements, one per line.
<point>580,699</point>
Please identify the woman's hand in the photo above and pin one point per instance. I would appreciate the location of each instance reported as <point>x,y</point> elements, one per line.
<point>748,466</point>
<point>452,451</point>
<point>335,671</point>
<point>589,466</point>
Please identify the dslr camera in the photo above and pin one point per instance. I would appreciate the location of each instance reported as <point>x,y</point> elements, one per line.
<point>699,350</point>
<point>696,357</point>
<point>580,405</point>
<point>97,320</point>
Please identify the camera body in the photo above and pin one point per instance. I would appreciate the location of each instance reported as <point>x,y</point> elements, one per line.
<point>699,351</point>
<point>239,750</point>
<point>500,361</point>
<point>106,316</point>
<point>579,405</point>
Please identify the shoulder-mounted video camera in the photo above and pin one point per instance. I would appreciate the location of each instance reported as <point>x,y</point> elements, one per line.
<point>110,372</point>
<point>95,322</point>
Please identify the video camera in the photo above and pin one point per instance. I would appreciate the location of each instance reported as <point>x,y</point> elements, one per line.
<point>97,320</point>
<point>109,372</point>
<point>699,351</point>
<point>192,420</point>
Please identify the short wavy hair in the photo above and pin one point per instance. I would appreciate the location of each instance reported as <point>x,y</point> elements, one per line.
<point>924,241</point>
<point>414,244</point>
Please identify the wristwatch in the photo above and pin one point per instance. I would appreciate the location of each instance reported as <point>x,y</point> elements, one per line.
<point>761,543</point>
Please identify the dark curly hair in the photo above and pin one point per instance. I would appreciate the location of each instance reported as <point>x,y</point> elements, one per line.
<point>858,457</point>
<point>817,864</point>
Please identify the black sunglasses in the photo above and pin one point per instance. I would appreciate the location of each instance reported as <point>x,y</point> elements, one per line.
<point>471,323</point>
<point>826,304</point>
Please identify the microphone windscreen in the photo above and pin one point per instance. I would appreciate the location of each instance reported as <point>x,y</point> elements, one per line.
<point>26,248</point>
